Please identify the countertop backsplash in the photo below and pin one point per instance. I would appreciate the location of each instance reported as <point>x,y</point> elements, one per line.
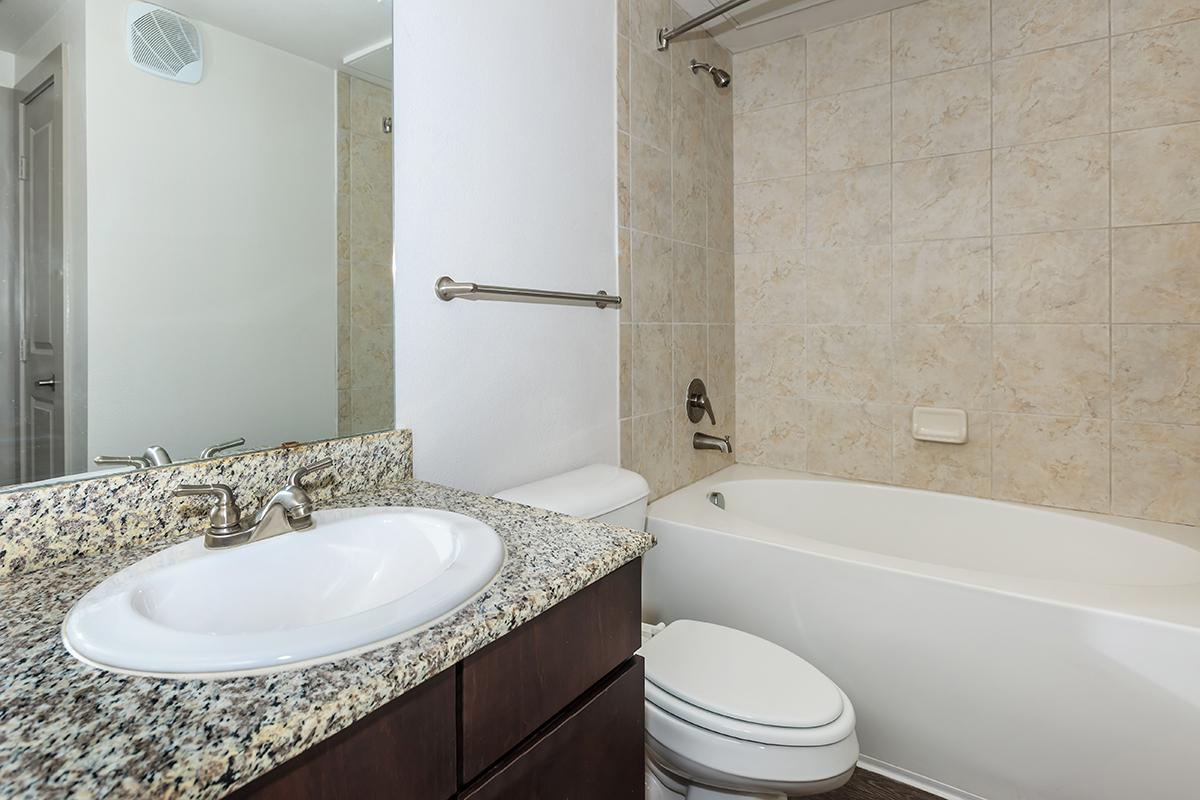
<point>48,525</point>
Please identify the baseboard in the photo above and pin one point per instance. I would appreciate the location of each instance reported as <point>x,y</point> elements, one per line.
<point>915,780</point>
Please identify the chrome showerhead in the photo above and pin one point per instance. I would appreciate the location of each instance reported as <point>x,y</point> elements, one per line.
<point>720,77</point>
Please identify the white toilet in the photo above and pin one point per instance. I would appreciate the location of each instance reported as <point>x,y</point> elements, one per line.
<point>728,715</point>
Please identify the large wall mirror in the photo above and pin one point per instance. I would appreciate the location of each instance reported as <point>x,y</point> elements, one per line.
<point>195,229</point>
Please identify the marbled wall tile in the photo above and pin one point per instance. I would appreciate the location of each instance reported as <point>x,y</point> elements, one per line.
<point>653,452</point>
<point>1156,274</point>
<point>1156,373</point>
<point>1022,26</point>
<point>720,212</point>
<point>343,100</point>
<point>651,189</point>
<point>850,208</point>
<point>1133,15</point>
<point>942,365</point>
<point>1051,277</point>
<point>769,215</point>
<point>1053,94</point>
<point>851,129</point>
<point>372,408</point>
<point>948,197</point>
<point>720,276</point>
<point>625,381</point>
<point>770,287</point>
<point>769,76</point>
<point>959,468</point>
<point>939,35</point>
<point>1155,472</point>
<point>850,56</point>
<point>770,360</point>
<point>1156,175</point>
<point>653,278</point>
<point>849,285</point>
<point>369,104</point>
<point>371,223</point>
<point>650,98</point>
<point>689,292</point>
<point>942,281</point>
<point>769,143</point>
<point>772,431</point>
<point>942,114</point>
<point>1053,461</point>
<point>690,357</point>
<point>624,18</point>
<point>625,272</point>
<point>1051,369</point>
<point>849,362</point>
<point>624,203</point>
<point>689,174</point>
<point>1156,77</point>
<point>652,360</point>
<point>850,440</point>
<point>343,168</point>
<point>718,141</point>
<point>623,89</point>
<point>1051,186</point>
<point>627,445</point>
<point>721,364</point>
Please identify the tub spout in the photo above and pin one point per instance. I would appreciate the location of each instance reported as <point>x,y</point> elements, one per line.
<point>702,441</point>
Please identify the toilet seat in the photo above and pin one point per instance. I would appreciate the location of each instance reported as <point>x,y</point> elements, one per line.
<point>734,683</point>
<point>834,732</point>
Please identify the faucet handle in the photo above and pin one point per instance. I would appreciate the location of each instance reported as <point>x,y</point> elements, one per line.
<point>224,516</point>
<point>137,462</point>
<point>698,403</point>
<point>211,451</point>
<point>302,472</point>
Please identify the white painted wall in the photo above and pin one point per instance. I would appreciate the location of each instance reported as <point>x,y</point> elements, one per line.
<point>505,173</point>
<point>8,70</point>
<point>212,246</point>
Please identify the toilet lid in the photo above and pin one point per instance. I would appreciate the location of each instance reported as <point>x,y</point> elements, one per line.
<point>737,675</point>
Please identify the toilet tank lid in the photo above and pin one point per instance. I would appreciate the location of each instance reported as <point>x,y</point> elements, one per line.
<point>586,492</point>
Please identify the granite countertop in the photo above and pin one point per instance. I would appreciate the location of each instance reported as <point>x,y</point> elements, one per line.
<point>68,730</point>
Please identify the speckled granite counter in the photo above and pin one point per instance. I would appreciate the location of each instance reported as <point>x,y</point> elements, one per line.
<point>67,730</point>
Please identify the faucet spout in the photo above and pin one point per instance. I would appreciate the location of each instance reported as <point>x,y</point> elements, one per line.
<point>703,441</point>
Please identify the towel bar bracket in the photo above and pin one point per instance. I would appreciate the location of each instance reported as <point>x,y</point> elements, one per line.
<point>449,289</point>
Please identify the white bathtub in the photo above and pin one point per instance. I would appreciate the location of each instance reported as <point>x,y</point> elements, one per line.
<point>991,650</point>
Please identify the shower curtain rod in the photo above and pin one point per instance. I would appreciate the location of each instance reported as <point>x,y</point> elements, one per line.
<point>665,35</point>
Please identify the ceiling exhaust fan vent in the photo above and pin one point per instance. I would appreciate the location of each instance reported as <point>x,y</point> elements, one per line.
<point>164,43</point>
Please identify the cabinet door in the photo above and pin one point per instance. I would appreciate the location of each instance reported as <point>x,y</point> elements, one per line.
<point>516,684</point>
<point>403,751</point>
<point>594,751</point>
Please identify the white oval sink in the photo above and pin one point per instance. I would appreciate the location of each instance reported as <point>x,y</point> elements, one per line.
<point>358,579</point>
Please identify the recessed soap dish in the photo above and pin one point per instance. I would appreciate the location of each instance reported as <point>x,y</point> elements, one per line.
<point>947,425</point>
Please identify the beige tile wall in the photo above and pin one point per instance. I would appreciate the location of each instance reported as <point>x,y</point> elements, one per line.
<point>675,218</point>
<point>366,388</point>
<point>986,205</point>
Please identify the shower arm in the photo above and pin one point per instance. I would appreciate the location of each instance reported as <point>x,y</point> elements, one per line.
<point>665,35</point>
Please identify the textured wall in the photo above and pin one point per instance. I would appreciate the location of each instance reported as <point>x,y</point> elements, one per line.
<point>365,376</point>
<point>675,218</point>
<point>990,206</point>
<point>9,335</point>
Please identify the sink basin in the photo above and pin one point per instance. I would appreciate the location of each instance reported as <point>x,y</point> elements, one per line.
<point>358,579</point>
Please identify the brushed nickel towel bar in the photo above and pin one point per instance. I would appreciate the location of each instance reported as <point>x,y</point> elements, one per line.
<point>448,289</point>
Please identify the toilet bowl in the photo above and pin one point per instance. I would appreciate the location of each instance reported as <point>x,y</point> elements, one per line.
<point>728,715</point>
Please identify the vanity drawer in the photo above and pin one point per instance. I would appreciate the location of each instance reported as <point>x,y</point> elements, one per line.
<point>403,751</point>
<point>594,751</point>
<point>518,683</point>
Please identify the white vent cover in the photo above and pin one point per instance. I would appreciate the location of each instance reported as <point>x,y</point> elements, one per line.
<point>163,43</point>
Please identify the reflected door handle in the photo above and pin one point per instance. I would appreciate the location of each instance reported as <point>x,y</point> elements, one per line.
<point>47,383</point>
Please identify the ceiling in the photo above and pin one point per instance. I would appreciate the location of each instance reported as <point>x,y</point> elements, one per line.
<point>325,31</point>
<point>20,19</point>
<point>762,22</point>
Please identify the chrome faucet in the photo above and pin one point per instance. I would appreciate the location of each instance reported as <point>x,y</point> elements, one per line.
<point>703,441</point>
<point>289,509</point>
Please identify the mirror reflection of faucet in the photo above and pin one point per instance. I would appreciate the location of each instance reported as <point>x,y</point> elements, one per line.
<point>157,456</point>
<point>698,405</point>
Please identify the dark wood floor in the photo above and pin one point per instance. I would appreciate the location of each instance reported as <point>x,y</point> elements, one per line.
<point>870,786</point>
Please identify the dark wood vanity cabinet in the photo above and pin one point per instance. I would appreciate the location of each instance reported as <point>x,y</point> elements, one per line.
<point>552,710</point>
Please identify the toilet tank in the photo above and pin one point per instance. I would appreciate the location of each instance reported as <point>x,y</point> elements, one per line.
<point>601,492</point>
